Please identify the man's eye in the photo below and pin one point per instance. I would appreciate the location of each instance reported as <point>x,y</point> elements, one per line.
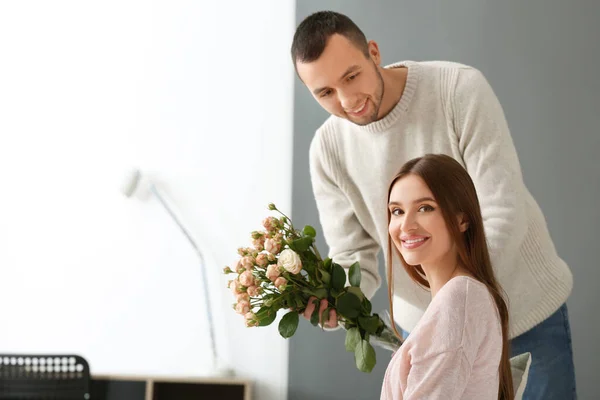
<point>325,93</point>
<point>352,77</point>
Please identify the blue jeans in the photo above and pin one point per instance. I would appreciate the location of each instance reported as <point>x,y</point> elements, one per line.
<point>552,373</point>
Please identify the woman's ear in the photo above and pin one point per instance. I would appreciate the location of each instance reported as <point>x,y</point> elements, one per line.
<point>463,222</point>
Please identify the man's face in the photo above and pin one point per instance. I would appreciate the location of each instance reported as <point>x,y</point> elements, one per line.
<point>345,82</point>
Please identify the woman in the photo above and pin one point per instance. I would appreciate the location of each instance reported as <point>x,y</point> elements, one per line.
<point>460,347</point>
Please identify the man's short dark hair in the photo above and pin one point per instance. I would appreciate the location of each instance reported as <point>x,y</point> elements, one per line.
<point>315,30</point>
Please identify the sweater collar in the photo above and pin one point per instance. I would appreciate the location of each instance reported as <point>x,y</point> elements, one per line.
<point>412,79</point>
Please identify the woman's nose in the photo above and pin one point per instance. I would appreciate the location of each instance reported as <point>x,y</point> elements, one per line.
<point>409,223</point>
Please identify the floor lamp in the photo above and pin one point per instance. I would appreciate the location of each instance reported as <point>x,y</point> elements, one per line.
<point>132,184</point>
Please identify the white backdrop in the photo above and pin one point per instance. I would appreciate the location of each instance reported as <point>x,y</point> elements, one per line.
<point>196,94</point>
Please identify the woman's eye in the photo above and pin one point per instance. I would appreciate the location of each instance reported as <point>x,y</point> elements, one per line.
<point>426,208</point>
<point>397,211</point>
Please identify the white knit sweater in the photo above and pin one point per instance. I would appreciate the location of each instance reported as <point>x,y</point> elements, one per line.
<point>445,108</point>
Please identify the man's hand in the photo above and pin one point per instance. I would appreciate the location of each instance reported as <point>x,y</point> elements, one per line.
<point>332,322</point>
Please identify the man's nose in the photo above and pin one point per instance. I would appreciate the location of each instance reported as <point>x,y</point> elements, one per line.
<point>349,101</point>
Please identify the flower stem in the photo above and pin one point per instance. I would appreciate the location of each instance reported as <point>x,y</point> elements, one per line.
<point>316,252</point>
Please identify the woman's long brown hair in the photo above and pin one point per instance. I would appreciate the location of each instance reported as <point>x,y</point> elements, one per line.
<point>455,193</point>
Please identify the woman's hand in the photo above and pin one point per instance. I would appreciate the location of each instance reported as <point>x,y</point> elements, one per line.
<point>332,322</point>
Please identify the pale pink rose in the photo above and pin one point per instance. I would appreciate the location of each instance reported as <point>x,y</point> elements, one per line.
<point>253,291</point>
<point>251,319</point>
<point>242,307</point>
<point>280,283</point>
<point>262,260</point>
<point>259,244</point>
<point>247,279</point>
<point>290,261</point>
<point>237,266</point>
<point>258,240</point>
<point>247,262</point>
<point>257,281</point>
<point>273,272</point>
<point>271,257</point>
<point>234,285</point>
<point>270,223</point>
<point>273,246</point>
<point>243,297</point>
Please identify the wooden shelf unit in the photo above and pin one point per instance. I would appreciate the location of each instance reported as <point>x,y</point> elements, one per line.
<point>137,387</point>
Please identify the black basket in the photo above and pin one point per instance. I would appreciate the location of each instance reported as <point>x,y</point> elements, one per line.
<point>44,377</point>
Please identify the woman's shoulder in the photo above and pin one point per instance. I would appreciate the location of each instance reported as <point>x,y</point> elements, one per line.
<point>465,298</point>
<point>469,301</point>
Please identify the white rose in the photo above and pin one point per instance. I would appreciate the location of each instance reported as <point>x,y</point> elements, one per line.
<point>290,261</point>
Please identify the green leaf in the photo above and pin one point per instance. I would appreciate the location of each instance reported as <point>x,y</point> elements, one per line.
<point>348,305</point>
<point>314,318</point>
<point>288,324</point>
<point>325,276</point>
<point>338,277</point>
<point>309,257</point>
<point>309,231</point>
<point>356,291</point>
<point>352,339</point>
<point>319,293</point>
<point>364,355</point>
<point>302,244</point>
<point>349,324</point>
<point>266,316</point>
<point>366,306</point>
<point>285,300</point>
<point>369,324</point>
<point>380,326</point>
<point>289,243</point>
<point>309,267</point>
<point>327,264</point>
<point>299,302</point>
<point>354,274</point>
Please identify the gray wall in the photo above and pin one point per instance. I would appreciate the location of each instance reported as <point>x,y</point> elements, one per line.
<point>541,58</point>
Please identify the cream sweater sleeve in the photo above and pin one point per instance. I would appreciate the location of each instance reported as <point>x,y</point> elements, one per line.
<point>347,239</point>
<point>491,160</point>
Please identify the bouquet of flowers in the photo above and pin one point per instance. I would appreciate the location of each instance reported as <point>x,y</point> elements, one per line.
<point>284,270</point>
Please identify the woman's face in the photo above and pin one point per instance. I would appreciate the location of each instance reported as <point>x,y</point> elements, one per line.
<point>417,226</point>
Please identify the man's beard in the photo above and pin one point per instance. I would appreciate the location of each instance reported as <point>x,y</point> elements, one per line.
<point>376,101</point>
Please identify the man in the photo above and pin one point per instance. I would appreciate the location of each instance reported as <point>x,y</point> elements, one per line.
<point>384,116</point>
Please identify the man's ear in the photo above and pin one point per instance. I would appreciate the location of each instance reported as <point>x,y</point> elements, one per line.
<point>463,222</point>
<point>374,52</point>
